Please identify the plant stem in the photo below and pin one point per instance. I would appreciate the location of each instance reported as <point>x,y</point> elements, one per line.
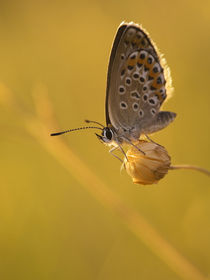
<point>191,167</point>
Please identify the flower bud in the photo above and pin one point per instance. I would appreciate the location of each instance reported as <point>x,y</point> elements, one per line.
<point>150,167</point>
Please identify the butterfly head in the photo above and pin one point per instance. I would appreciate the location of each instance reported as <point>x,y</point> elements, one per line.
<point>107,135</point>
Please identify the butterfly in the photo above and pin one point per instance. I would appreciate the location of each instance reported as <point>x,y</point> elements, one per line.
<point>137,85</point>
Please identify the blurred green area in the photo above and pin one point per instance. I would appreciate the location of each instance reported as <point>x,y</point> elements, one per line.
<point>52,228</point>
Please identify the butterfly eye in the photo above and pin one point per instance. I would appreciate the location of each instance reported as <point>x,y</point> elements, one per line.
<point>108,134</point>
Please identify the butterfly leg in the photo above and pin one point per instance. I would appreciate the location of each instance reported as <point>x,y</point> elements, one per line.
<point>152,140</point>
<point>128,141</point>
<point>121,149</point>
<point>111,152</point>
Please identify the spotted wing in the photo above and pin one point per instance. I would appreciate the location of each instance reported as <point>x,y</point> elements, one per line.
<point>136,82</point>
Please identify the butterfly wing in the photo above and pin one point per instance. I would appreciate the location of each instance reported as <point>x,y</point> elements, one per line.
<point>136,83</point>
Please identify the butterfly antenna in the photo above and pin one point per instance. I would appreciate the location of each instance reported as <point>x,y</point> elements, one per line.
<point>88,121</point>
<point>74,129</point>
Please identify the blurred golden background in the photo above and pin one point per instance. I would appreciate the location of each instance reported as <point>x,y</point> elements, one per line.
<point>55,224</point>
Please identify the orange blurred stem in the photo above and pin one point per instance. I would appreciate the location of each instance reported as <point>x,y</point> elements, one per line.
<point>191,167</point>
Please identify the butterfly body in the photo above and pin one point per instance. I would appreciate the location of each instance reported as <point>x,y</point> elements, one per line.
<point>137,86</point>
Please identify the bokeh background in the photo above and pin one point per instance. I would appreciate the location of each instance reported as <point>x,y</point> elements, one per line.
<point>51,226</point>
